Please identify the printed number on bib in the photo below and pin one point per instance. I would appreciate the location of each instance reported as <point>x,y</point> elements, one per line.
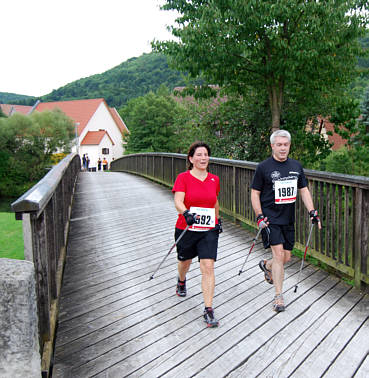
<point>205,218</point>
<point>285,191</point>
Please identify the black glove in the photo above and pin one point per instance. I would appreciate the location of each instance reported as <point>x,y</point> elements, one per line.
<point>220,225</point>
<point>190,218</point>
<point>314,215</point>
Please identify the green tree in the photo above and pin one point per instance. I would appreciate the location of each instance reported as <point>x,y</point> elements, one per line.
<point>150,121</point>
<point>362,137</point>
<point>351,161</point>
<point>233,127</point>
<point>361,83</point>
<point>27,144</point>
<point>352,123</point>
<point>195,121</point>
<point>238,128</point>
<point>296,50</point>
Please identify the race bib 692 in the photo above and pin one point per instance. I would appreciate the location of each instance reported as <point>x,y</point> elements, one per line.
<point>205,218</point>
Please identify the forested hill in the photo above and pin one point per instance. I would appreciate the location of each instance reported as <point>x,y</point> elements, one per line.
<point>132,78</point>
<point>12,98</point>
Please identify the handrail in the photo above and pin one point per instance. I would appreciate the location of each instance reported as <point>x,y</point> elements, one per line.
<point>36,198</point>
<point>342,177</point>
<point>342,200</point>
<point>45,211</point>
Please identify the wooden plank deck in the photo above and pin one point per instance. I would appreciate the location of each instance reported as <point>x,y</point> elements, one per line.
<point>115,322</point>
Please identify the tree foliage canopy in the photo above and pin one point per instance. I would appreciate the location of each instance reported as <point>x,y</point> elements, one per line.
<point>305,50</point>
<point>360,138</point>
<point>26,147</point>
<point>150,121</point>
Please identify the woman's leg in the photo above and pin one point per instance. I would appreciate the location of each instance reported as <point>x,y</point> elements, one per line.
<point>183,267</point>
<point>207,281</point>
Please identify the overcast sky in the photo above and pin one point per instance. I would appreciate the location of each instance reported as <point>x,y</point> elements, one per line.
<point>46,44</point>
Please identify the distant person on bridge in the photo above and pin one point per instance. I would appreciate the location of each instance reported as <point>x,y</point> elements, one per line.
<point>274,189</point>
<point>105,164</point>
<point>87,163</point>
<point>84,162</point>
<point>196,200</point>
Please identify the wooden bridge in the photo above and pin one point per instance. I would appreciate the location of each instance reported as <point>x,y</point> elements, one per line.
<point>115,322</point>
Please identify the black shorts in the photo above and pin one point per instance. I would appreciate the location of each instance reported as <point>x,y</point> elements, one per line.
<point>203,244</point>
<point>279,234</point>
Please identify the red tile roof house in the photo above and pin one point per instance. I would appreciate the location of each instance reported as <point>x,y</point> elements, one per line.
<point>99,129</point>
<point>326,126</point>
<point>9,110</point>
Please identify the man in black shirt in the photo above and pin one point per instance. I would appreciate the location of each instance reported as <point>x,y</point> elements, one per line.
<point>274,189</point>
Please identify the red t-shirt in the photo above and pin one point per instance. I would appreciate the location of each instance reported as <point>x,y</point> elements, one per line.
<point>197,193</point>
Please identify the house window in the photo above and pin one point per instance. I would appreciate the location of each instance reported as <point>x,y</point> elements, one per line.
<point>105,151</point>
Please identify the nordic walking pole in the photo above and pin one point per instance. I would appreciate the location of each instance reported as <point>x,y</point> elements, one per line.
<point>252,246</point>
<point>175,243</point>
<point>302,261</point>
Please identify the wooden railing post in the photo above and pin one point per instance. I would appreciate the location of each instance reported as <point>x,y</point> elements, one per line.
<point>234,193</point>
<point>42,270</point>
<point>172,175</point>
<point>52,244</point>
<point>357,233</point>
<point>27,237</point>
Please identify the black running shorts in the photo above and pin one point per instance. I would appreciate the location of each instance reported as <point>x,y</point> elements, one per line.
<point>279,234</point>
<point>203,244</point>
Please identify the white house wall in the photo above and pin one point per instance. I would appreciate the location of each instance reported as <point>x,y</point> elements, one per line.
<point>102,119</point>
<point>105,143</point>
<point>94,152</point>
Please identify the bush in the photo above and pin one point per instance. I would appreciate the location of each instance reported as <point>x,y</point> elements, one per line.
<point>348,161</point>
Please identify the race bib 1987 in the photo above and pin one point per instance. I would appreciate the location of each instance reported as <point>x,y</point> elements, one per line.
<point>285,191</point>
<point>205,218</point>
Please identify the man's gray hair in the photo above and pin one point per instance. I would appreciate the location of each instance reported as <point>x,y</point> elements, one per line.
<point>280,133</point>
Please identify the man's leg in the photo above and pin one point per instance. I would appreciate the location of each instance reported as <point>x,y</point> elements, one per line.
<point>276,265</point>
<point>287,257</point>
<point>280,257</point>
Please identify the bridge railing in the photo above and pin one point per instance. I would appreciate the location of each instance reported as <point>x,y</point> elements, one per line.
<point>342,201</point>
<point>45,212</point>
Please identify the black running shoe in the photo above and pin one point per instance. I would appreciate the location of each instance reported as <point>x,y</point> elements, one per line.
<point>209,318</point>
<point>181,288</point>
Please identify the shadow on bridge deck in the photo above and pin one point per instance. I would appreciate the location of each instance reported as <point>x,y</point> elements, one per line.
<point>115,322</point>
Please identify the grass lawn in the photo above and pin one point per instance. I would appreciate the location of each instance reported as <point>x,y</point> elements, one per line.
<point>11,237</point>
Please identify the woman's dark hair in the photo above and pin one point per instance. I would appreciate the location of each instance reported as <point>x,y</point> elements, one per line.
<point>192,149</point>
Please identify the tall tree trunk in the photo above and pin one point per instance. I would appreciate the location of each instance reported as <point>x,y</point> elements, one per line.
<point>275,102</point>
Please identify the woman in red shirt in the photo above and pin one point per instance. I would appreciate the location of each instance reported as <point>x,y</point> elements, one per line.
<point>196,200</point>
